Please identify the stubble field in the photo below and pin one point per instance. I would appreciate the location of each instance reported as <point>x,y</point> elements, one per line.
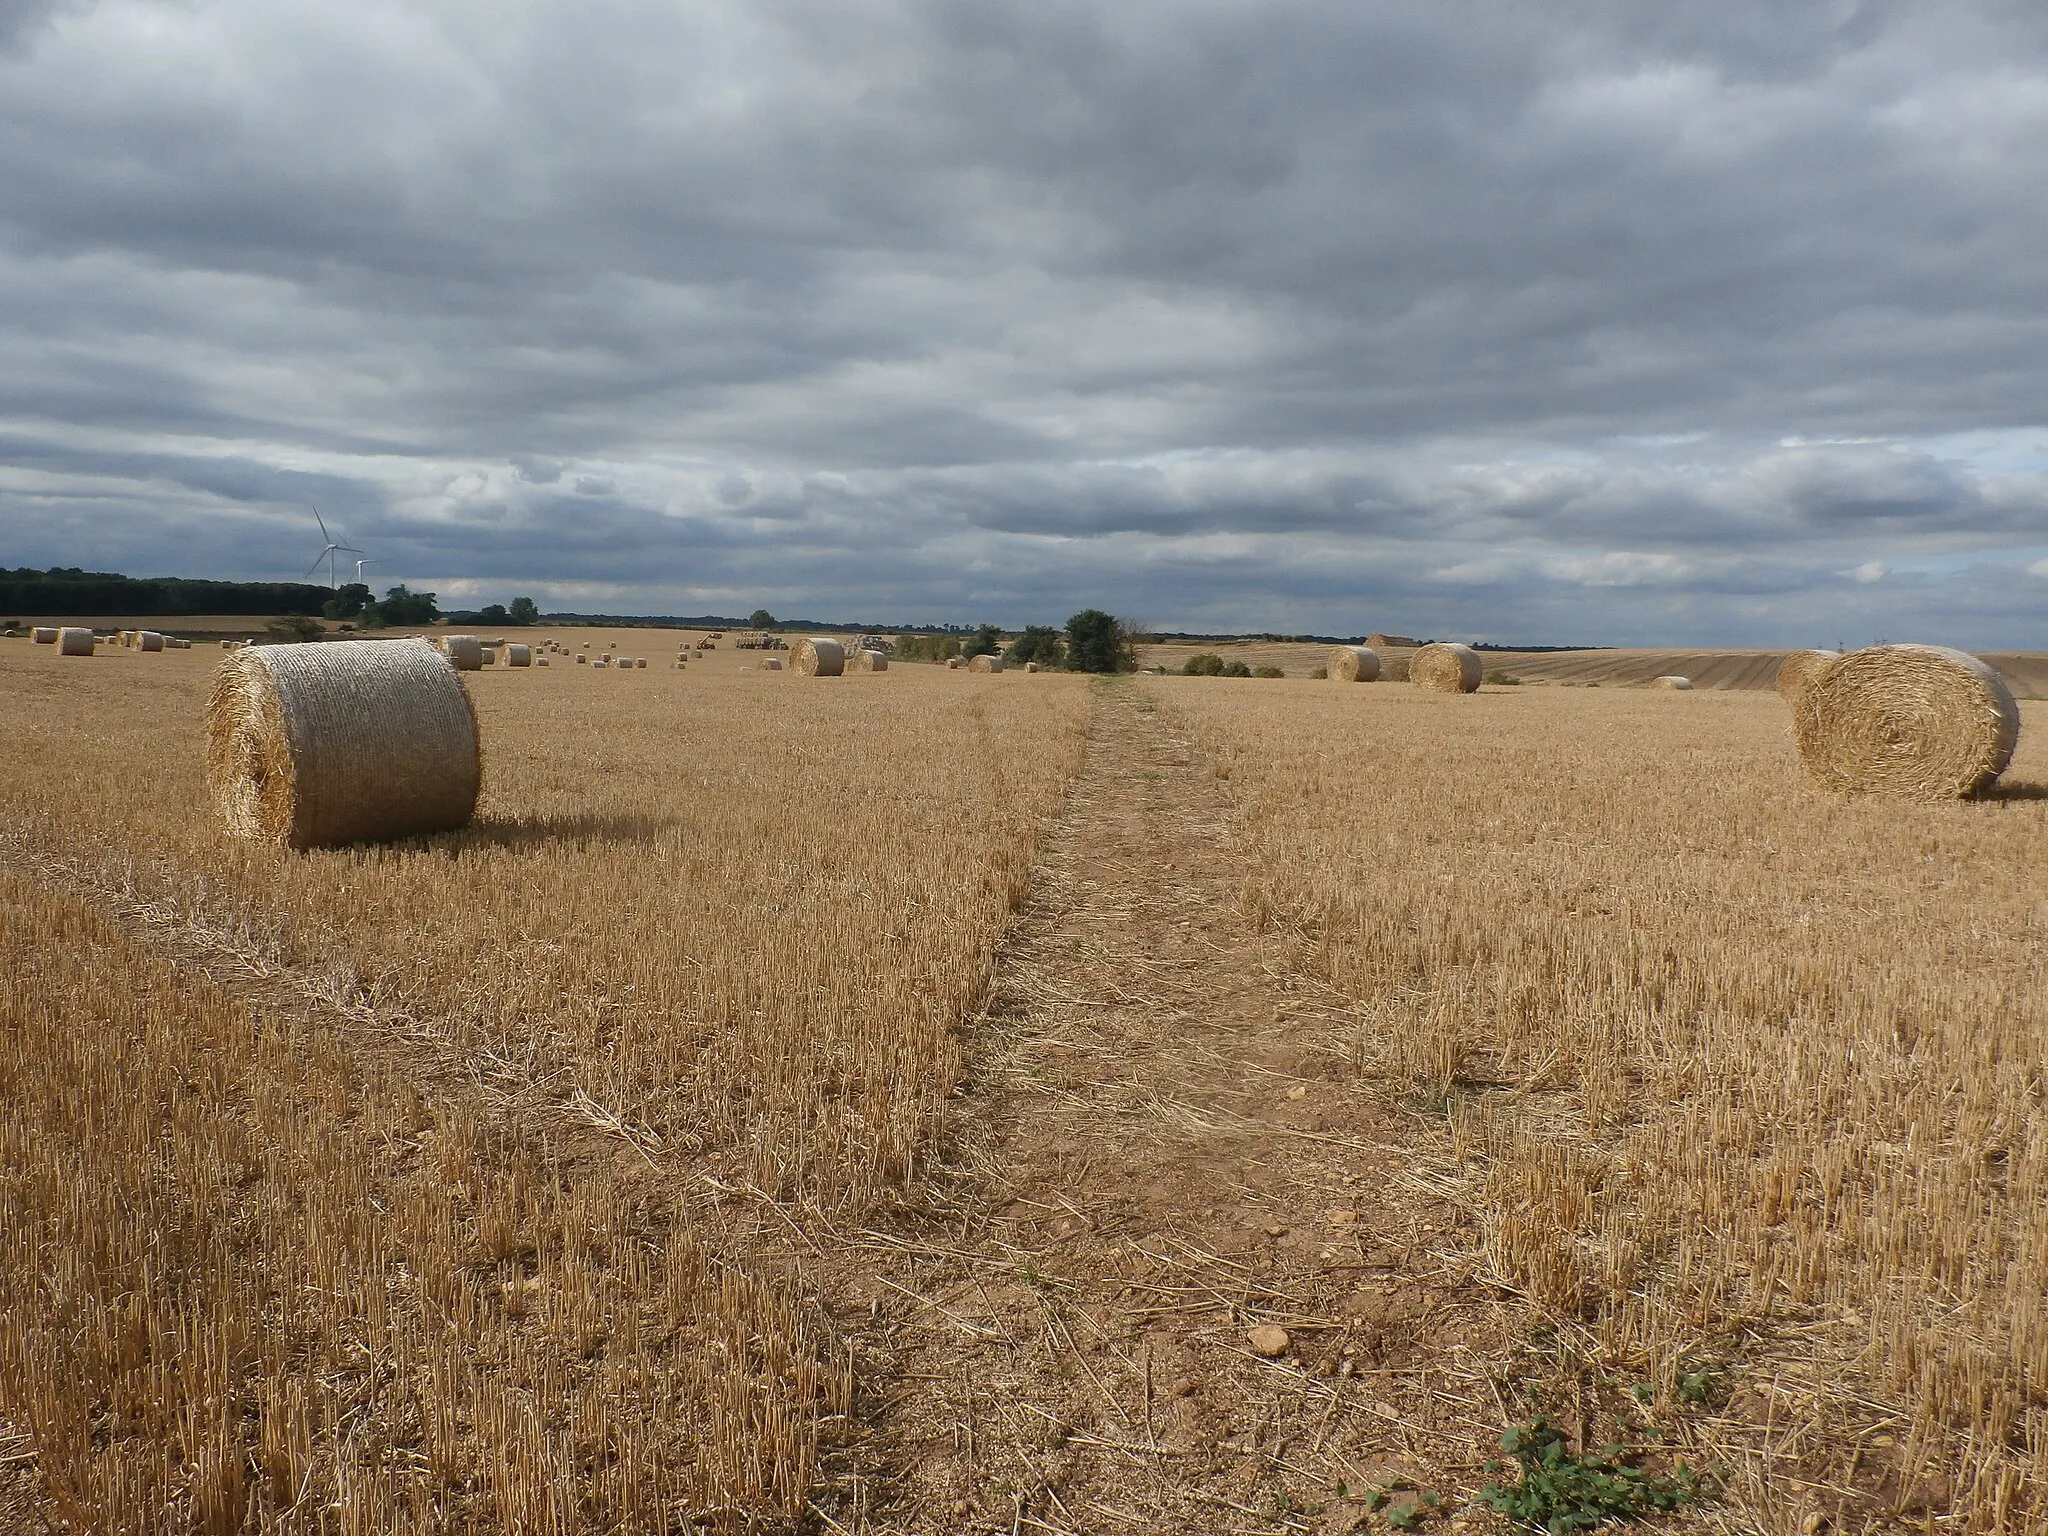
<point>509,1180</point>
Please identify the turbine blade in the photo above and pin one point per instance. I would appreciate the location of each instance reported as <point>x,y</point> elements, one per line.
<point>322,522</point>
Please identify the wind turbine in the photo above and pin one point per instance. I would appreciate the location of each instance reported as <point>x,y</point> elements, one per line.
<point>359,569</point>
<point>329,552</point>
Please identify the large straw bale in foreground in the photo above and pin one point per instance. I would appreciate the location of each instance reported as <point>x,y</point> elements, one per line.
<point>75,642</point>
<point>46,634</point>
<point>1675,683</point>
<point>1907,722</point>
<point>1354,664</point>
<point>465,652</point>
<point>1799,669</point>
<point>865,660</point>
<point>816,656</point>
<point>985,663</point>
<point>1445,667</point>
<point>318,744</point>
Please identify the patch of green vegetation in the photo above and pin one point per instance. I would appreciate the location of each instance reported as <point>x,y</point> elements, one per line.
<point>1267,672</point>
<point>1560,1492</point>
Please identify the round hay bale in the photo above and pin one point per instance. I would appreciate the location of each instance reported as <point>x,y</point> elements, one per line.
<point>582,660</point>
<point>953,663</point>
<point>816,656</point>
<point>46,634</point>
<point>1906,722</point>
<point>286,732</point>
<point>540,661</point>
<point>1676,684</point>
<point>75,642</point>
<point>517,655</point>
<point>773,664</point>
<point>862,659</point>
<point>1030,666</point>
<point>1798,669</point>
<point>465,653</point>
<point>1445,667</point>
<point>640,662</point>
<point>1353,664</point>
<point>227,645</point>
<point>985,663</point>
<point>148,640</point>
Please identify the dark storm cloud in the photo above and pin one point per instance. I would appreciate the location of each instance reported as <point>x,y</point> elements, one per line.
<point>1592,318</point>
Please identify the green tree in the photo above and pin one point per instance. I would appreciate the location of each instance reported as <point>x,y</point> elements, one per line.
<point>292,628</point>
<point>402,605</point>
<point>987,641</point>
<point>1099,642</point>
<point>493,613</point>
<point>525,611</point>
<point>760,618</point>
<point>1040,643</point>
<point>349,601</point>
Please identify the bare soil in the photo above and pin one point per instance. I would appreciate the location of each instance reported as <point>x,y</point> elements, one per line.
<point>1161,1155</point>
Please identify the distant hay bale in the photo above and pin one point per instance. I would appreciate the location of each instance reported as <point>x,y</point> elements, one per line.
<point>540,661</point>
<point>75,642</point>
<point>465,653</point>
<point>582,660</point>
<point>46,634</point>
<point>173,643</point>
<point>640,662</point>
<point>1381,641</point>
<point>517,655</point>
<point>1353,664</point>
<point>1906,722</point>
<point>953,663</point>
<point>1799,669</point>
<point>1030,666</point>
<point>1677,684</point>
<point>985,663</point>
<point>227,645</point>
<point>286,732</point>
<point>773,664</point>
<point>1446,667</point>
<point>861,659</point>
<point>148,640</point>
<point>818,657</point>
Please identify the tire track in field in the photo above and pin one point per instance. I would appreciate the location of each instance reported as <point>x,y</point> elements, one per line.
<point>1164,1153</point>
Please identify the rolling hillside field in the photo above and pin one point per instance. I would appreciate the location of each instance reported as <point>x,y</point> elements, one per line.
<point>926,1102</point>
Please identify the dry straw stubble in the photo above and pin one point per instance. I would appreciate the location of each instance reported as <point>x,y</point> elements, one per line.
<point>816,656</point>
<point>1354,664</point>
<point>1906,722</point>
<point>326,743</point>
<point>1446,667</point>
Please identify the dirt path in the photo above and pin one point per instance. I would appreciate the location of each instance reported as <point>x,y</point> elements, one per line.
<point>1167,1157</point>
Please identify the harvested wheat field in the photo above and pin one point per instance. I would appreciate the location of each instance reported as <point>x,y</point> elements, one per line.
<point>908,1102</point>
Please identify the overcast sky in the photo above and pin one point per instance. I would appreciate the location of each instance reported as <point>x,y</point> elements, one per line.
<point>1589,320</point>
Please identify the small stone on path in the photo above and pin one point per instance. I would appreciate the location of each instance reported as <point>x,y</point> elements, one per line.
<point>1269,1341</point>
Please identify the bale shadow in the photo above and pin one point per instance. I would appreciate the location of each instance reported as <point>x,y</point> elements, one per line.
<point>2021,791</point>
<point>583,829</point>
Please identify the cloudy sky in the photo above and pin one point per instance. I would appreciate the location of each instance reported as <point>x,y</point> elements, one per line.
<point>1691,322</point>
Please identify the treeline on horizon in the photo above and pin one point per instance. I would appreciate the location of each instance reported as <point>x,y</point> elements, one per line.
<point>67,590</point>
<point>64,590</point>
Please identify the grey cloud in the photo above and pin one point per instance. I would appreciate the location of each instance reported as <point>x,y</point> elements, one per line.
<point>1269,315</point>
